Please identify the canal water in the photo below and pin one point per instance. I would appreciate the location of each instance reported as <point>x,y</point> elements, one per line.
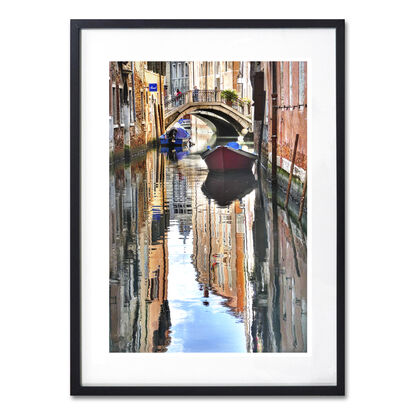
<point>201,262</point>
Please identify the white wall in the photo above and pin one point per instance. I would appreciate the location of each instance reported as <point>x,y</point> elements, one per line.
<point>35,207</point>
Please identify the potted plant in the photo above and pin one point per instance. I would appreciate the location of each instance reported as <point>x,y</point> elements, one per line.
<point>229,95</point>
<point>246,105</point>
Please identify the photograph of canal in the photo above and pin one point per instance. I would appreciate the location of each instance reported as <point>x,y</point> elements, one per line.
<point>208,206</point>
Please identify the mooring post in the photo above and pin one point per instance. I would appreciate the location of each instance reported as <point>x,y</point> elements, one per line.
<point>291,170</point>
<point>156,119</point>
<point>303,198</point>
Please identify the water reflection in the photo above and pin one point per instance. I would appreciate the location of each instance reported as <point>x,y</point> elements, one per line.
<point>224,188</point>
<point>202,262</point>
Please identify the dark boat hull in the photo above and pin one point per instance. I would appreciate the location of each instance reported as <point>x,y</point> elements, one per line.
<point>223,159</point>
<point>224,188</point>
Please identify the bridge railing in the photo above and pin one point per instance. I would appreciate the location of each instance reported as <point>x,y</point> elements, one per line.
<point>205,95</point>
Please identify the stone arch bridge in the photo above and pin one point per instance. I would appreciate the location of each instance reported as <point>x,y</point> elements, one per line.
<point>225,118</point>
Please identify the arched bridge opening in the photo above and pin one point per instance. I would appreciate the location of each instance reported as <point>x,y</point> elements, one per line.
<point>219,125</point>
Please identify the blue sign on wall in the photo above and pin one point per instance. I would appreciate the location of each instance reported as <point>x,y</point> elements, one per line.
<point>152,87</point>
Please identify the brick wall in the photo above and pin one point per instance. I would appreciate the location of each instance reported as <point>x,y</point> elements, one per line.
<point>291,121</point>
<point>288,80</point>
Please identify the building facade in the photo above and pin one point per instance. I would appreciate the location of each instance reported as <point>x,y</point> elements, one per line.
<point>178,77</point>
<point>121,107</point>
<point>280,112</point>
<point>136,106</point>
<point>221,75</point>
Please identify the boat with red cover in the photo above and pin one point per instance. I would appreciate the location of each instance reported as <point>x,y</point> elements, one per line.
<point>229,157</point>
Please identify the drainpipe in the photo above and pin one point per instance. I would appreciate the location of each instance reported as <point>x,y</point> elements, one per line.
<point>133,94</point>
<point>161,105</point>
<point>274,127</point>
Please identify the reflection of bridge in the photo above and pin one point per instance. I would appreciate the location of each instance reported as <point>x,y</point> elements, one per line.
<point>225,118</point>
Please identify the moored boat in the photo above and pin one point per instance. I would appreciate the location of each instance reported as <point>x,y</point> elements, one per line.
<point>176,136</point>
<point>228,158</point>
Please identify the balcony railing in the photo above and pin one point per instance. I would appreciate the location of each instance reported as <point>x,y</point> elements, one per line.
<point>205,95</point>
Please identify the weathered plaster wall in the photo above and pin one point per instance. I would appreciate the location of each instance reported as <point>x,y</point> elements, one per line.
<point>136,114</point>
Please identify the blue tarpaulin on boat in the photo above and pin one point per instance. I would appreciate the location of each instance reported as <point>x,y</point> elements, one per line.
<point>233,144</point>
<point>182,133</point>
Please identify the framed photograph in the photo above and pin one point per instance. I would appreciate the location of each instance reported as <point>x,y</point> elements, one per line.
<point>207,207</point>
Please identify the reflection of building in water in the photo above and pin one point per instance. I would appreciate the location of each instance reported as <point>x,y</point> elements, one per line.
<point>139,312</point>
<point>179,197</point>
<point>279,280</point>
<point>218,250</point>
<point>254,255</point>
<point>293,282</point>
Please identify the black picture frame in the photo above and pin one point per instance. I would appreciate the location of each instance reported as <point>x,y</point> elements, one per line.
<point>76,387</point>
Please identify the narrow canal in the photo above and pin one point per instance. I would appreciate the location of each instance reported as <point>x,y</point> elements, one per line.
<point>200,263</point>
